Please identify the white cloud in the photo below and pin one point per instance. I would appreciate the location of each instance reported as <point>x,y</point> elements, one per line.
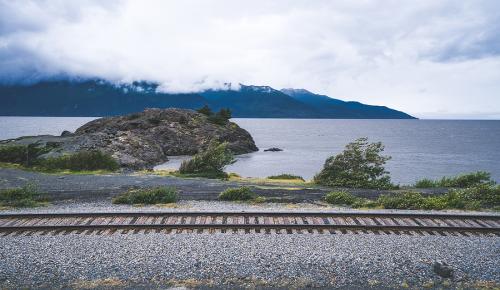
<point>426,58</point>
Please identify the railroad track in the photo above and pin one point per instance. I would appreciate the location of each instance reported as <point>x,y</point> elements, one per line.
<point>249,222</point>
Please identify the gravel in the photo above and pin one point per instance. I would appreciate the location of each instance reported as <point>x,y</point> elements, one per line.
<point>239,260</point>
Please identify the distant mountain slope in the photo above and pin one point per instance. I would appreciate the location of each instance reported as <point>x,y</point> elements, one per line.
<point>334,108</point>
<point>101,98</point>
<point>259,102</point>
<point>88,98</point>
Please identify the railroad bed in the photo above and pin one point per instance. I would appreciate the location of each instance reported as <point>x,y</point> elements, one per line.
<point>105,223</point>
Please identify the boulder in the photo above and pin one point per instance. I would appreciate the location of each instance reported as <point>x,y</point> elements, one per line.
<point>66,134</point>
<point>143,140</point>
<point>273,149</point>
<point>442,269</point>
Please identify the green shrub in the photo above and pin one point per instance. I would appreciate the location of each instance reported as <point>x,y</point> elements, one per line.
<point>80,161</point>
<point>155,195</point>
<point>286,176</point>
<point>26,196</point>
<point>341,198</point>
<point>360,165</point>
<point>459,181</point>
<point>21,154</point>
<point>425,183</point>
<point>407,200</point>
<point>209,163</point>
<point>205,110</point>
<point>241,193</point>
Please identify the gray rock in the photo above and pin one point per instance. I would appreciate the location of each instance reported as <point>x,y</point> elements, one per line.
<point>66,134</point>
<point>142,140</point>
<point>442,269</point>
<point>273,149</point>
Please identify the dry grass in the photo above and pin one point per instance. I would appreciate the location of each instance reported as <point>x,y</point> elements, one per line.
<point>98,283</point>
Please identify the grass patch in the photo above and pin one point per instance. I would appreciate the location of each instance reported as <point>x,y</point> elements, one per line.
<point>459,181</point>
<point>80,161</point>
<point>26,196</point>
<point>286,176</point>
<point>24,155</point>
<point>241,193</point>
<point>29,158</point>
<point>154,195</point>
<point>484,196</point>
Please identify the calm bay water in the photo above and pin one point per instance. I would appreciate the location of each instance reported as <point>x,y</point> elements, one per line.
<point>419,148</point>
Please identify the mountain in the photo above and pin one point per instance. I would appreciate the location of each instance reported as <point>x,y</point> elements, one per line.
<point>259,102</point>
<point>334,108</point>
<point>102,98</point>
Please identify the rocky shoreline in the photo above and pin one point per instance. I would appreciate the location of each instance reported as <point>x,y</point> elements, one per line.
<point>143,140</point>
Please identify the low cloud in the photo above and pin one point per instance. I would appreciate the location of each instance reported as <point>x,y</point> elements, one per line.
<point>424,56</point>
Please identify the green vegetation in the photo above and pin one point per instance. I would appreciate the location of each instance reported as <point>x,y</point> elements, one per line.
<point>240,193</point>
<point>209,163</point>
<point>26,196</point>
<point>80,161</point>
<point>286,176</point>
<point>340,198</point>
<point>360,165</point>
<point>25,155</point>
<point>155,195</point>
<point>220,118</point>
<point>29,157</point>
<point>473,198</point>
<point>459,181</point>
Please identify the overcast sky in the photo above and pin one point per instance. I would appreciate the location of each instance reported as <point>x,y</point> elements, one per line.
<point>430,58</point>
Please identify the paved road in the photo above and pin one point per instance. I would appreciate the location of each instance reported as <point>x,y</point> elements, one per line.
<point>73,186</point>
<point>76,186</point>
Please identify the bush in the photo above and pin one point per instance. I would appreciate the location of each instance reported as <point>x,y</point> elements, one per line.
<point>459,181</point>
<point>425,183</point>
<point>340,198</point>
<point>360,165</point>
<point>286,176</point>
<point>209,163</point>
<point>26,196</point>
<point>160,194</point>
<point>241,193</point>
<point>205,110</point>
<point>21,154</point>
<point>407,200</point>
<point>80,161</point>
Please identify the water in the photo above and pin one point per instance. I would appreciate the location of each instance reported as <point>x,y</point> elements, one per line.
<point>419,148</point>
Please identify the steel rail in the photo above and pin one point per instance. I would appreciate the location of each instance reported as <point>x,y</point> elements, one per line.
<point>251,213</point>
<point>233,226</point>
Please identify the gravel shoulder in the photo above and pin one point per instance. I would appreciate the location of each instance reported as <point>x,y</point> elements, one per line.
<point>246,260</point>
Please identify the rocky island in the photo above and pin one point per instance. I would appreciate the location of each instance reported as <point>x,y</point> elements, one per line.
<point>143,140</point>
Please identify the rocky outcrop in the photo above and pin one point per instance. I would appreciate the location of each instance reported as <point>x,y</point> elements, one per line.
<point>273,149</point>
<point>142,140</point>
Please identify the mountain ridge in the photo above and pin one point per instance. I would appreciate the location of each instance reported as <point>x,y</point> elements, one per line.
<point>101,98</point>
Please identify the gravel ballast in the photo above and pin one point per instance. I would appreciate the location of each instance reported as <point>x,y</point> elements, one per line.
<point>231,260</point>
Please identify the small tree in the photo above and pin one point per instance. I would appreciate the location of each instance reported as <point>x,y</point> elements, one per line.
<point>221,117</point>
<point>209,163</point>
<point>205,110</point>
<point>225,113</point>
<point>359,165</point>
